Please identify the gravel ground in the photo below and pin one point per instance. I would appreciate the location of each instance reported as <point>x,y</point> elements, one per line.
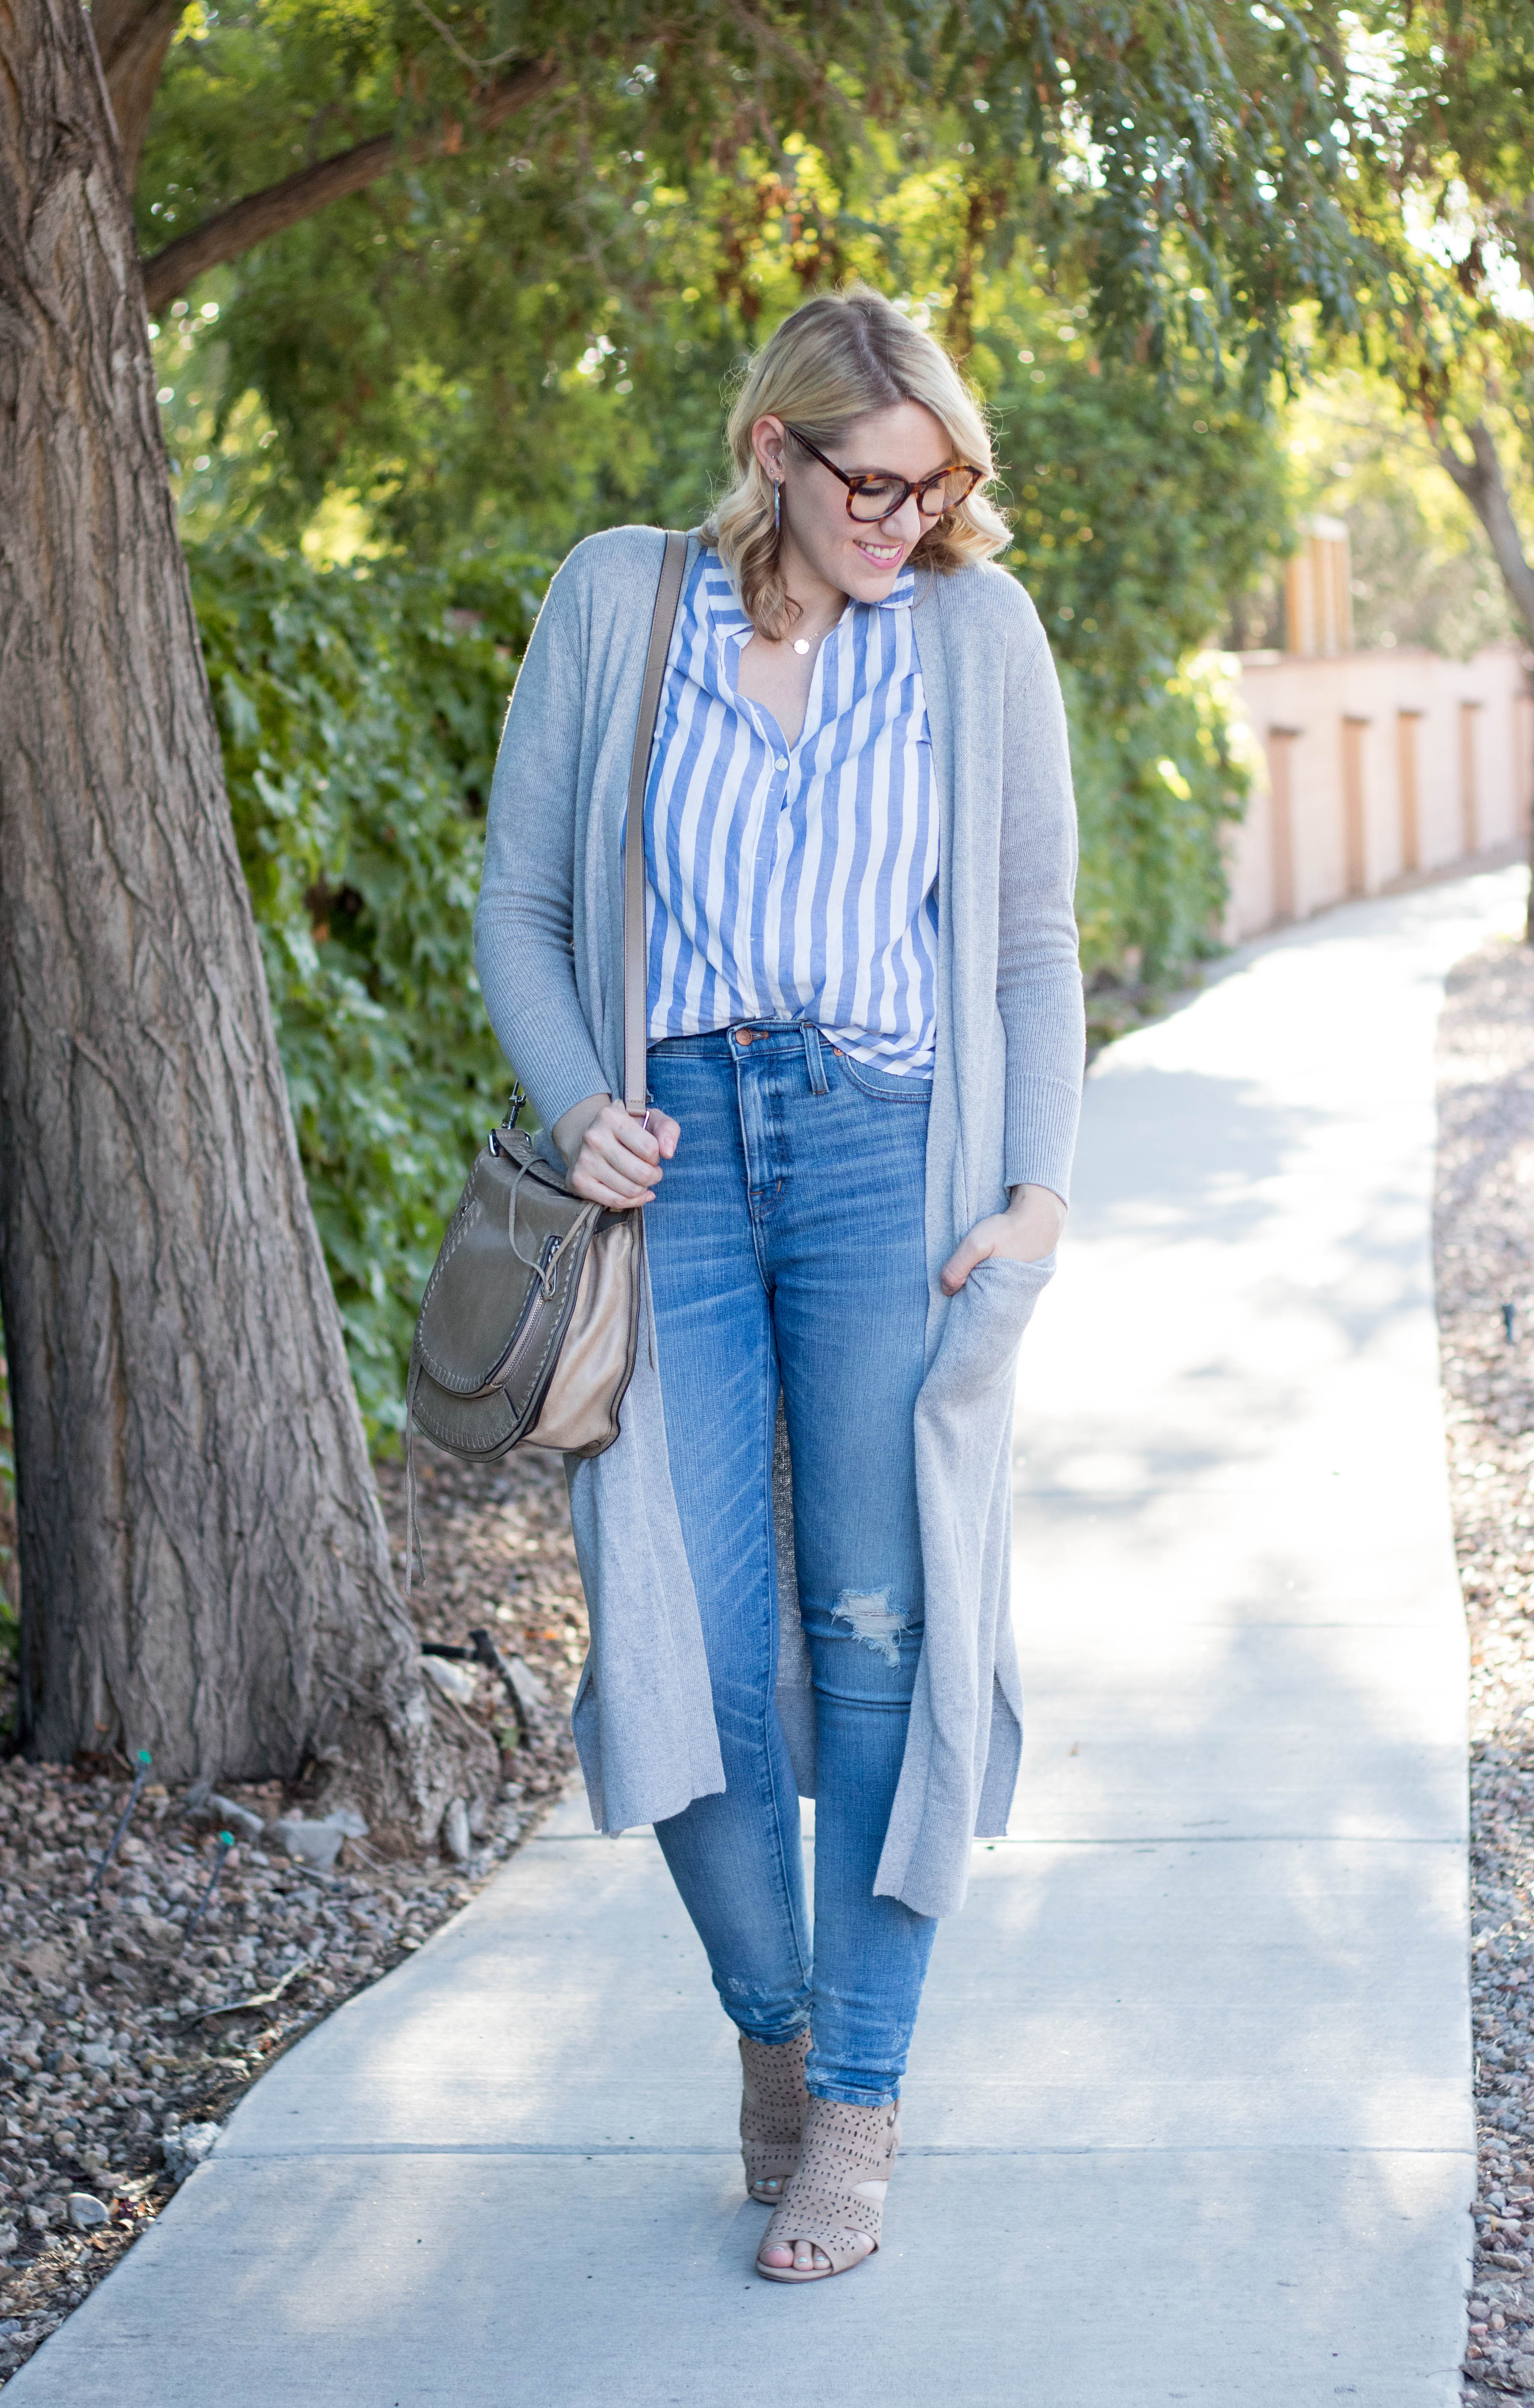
<point>125,2039</point>
<point>1485,1263</point>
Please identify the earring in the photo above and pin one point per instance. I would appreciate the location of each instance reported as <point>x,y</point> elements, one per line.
<point>776,506</point>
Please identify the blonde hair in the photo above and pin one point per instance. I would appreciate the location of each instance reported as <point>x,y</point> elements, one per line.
<point>836,359</point>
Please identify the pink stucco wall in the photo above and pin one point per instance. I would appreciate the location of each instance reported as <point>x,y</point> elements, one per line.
<point>1368,758</point>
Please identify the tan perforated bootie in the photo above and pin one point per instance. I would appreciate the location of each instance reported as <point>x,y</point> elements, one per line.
<point>772,2102</point>
<point>836,2200</point>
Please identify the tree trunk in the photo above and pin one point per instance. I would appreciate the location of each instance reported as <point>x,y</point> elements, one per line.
<point>203,1567</point>
<point>132,38</point>
<point>1480,478</point>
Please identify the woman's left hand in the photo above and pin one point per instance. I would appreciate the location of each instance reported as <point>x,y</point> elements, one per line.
<point>1027,1231</point>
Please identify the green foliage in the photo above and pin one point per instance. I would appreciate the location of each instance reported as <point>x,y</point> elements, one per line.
<point>476,361</point>
<point>1441,164</point>
<point>360,715</point>
<point>1439,128</point>
<point>1423,571</point>
<point>1174,165</point>
<point>360,709</point>
<point>1158,781</point>
<point>1146,501</point>
<point>1142,509</point>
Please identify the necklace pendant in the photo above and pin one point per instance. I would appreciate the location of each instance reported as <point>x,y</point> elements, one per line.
<point>801,644</point>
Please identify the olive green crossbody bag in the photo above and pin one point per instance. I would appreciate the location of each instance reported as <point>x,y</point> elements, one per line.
<point>530,1322</point>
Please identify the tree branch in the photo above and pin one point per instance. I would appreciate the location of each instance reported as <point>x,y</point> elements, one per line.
<point>1480,481</point>
<point>132,40</point>
<point>261,215</point>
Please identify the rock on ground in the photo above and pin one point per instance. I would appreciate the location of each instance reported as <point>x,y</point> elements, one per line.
<point>1484,1237</point>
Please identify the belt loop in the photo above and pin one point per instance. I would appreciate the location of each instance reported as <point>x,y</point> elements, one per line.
<point>812,1060</point>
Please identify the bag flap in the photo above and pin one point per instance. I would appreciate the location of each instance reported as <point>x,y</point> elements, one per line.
<point>480,1291</point>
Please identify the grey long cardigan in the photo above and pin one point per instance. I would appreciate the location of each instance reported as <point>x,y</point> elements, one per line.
<point>1005,1098</point>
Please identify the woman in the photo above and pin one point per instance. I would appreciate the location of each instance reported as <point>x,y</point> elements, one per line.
<point>865,1064</point>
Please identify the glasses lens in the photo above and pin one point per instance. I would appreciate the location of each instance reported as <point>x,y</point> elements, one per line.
<point>945,493</point>
<point>876,497</point>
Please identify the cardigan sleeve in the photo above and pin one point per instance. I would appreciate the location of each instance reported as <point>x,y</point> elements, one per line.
<point>523,947</point>
<point>1038,979</point>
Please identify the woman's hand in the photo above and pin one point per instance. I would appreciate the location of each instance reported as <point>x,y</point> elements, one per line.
<point>1027,1231</point>
<point>613,1158</point>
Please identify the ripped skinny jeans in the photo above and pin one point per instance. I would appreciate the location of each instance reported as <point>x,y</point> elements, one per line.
<point>787,1249</point>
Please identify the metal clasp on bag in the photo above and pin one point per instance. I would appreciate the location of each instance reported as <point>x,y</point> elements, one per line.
<point>516,1103</point>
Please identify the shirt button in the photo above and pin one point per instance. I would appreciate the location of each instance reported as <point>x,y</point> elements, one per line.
<point>780,763</point>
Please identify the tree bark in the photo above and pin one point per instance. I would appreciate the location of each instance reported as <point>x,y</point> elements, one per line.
<point>261,215</point>
<point>203,1567</point>
<point>1480,478</point>
<point>132,37</point>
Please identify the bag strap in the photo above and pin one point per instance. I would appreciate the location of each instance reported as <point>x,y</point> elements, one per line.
<point>636,983</point>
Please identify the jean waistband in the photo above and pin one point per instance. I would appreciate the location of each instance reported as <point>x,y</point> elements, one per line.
<point>723,1041</point>
<point>758,1039</point>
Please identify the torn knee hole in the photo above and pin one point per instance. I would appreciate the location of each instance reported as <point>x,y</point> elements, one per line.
<point>871,1620</point>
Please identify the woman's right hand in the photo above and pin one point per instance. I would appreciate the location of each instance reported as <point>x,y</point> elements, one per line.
<point>614,1159</point>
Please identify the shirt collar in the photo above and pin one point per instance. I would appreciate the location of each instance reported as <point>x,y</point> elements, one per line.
<point>728,617</point>
<point>725,613</point>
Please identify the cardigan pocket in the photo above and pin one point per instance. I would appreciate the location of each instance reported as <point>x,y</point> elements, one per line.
<point>989,1314</point>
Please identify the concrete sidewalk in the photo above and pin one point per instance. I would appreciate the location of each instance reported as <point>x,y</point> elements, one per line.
<point>1189,2113</point>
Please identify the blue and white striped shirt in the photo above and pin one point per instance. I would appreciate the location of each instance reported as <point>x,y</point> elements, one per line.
<point>795,882</point>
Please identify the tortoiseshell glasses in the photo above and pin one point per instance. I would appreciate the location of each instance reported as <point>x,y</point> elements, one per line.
<point>875,494</point>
